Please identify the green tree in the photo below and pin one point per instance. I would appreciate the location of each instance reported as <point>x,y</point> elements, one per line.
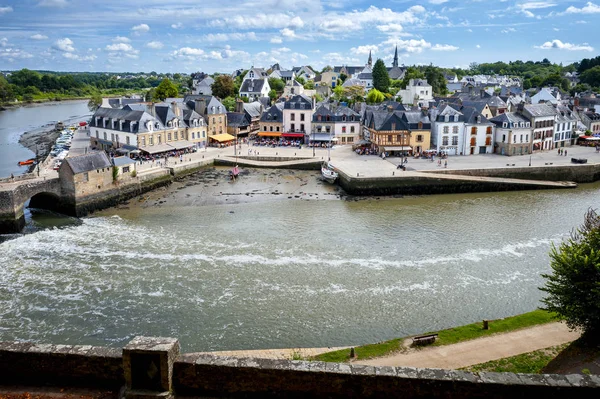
<point>6,91</point>
<point>591,76</point>
<point>276,84</point>
<point>300,80</point>
<point>310,85</point>
<point>411,73</point>
<point>343,77</point>
<point>579,87</point>
<point>435,77</point>
<point>25,77</point>
<point>150,95</point>
<point>381,79</point>
<point>165,89</point>
<point>95,102</point>
<point>318,97</point>
<point>338,93</point>
<point>273,95</point>
<point>223,86</point>
<point>375,96</point>
<point>573,288</point>
<point>229,103</point>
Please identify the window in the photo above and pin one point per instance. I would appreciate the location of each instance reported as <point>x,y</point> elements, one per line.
<point>181,136</point>
<point>349,139</point>
<point>399,138</point>
<point>169,136</point>
<point>151,140</point>
<point>445,140</point>
<point>446,118</point>
<point>293,127</point>
<point>127,140</point>
<point>454,140</point>
<point>125,169</point>
<point>302,117</point>
<point>193,135</point>
<point>214,120</point>
<point>515,138</point>
<point>393,126</point>
<point>270,128</point>
<point>503,138</point>
<point>351,129</point>
<point>302,127</point>
<point>143,141</point>
<point>419,138</point>
<point>292,116</point>
<point>521,138</point>
<point>389,138</point>
<point>473,130</point>
<point>117,138</point>
<point>488,130</point>
<point>277,128</point>
<point>455,118</point>
<point>446,129</point>
<point>488,141</point>
<point>455,130</point>
<point>220,119</point>
<point>97,134</point>
<point>86,177</point>
<point>473,142</point>
<point>343,129</point>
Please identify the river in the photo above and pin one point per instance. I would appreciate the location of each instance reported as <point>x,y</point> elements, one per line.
<point>15,121</point>
<point>285,273</point>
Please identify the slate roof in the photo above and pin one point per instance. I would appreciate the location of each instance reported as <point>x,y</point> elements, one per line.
<point>471,115</point>
<point>273,114</point>
<point>350,69</point>
<point>88,162</point>
<point>252,86</point>
<point>540,110</point>
<point>365,76</point>
<point>137,117</point>
<point>299,101</point>
<point>412,118</point>
<point>512,119</point>
<point>396,73</point>
<point>353,82</point>
<point>253,109</point>
<point>287,74</point>
<point>122,161</point>
<point>478,105</point>
<point>237,119</point>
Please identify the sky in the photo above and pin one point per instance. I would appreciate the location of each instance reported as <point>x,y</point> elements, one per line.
<point>221,36</point>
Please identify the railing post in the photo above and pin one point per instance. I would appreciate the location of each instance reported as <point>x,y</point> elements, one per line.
<point>148,366</point>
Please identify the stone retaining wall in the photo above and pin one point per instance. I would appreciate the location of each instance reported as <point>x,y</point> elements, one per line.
<point>585,173</point>
<point>156,362</point>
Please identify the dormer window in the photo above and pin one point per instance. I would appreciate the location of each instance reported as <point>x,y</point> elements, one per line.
<point>504,124</point>
<point>455,118</point>
<point>156,125</point>
<point>446,118</point>
<point>149,126</point>
<point>169,124</point>
<point>527,124</point>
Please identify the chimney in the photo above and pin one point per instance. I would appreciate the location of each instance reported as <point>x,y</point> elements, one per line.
<point>152,109</point>
<point>175,108</point>
<point>576,102</point>
<point>390,108</point>
<point>239,105</point>
<point>200,106</point>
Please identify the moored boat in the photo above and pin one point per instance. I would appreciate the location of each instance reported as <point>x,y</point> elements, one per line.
<point>28,162</point>
<point>328,172</point>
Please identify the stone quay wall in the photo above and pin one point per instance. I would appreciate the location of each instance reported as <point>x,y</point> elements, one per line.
<point>578,173</point>
<point>153,367</point>
<point>425,185</point>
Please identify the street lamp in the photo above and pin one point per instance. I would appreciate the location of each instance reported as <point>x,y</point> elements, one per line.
<point>313,141</point>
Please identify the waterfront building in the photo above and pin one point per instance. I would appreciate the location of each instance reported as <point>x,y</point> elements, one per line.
<point>213,112</point>
<point>297,117</point>
<point>339,124</point>
<point>542,118</point>
<point>478,132</point>
<point>151,128</point>
<point>591,120</point>
<point>83,175</point>
<point>566,122</point>
<point>513,134</point>
<point>397,132</point>
<point>447,130</point>
<point>271,121</point>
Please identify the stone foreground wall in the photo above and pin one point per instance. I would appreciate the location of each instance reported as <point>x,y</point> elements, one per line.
<point>152,367</point>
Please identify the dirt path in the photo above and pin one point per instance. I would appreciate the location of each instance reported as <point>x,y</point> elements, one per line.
<point>480,350</point>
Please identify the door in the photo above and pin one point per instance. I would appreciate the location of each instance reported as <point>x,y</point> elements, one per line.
<point>482,150</point>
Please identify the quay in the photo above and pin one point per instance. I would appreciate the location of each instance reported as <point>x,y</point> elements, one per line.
<point>359,175</point>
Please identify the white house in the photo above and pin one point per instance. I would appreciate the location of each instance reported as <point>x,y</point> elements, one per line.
<point>546,95</point>
<point>479,133</point>
<point>297,115</point>
<point>566,121</point>
<point>416,91</point>
<point>204,86</point>
<point>256,73</point>
<point>513,134</point>
<point>447,130</point>
<point>253,89</point>
<point>542,118</point>
<point>304,72</point>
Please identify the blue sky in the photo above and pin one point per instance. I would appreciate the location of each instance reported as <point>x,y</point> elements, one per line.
<point>220,36</point>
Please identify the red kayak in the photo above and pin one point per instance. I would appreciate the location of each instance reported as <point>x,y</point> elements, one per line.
<point>28,162</point>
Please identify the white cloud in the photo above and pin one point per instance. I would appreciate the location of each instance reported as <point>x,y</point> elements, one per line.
<point>276,40</point>
<point>81,58</point>
<point>155,45</point>
<point>507,30</point>
<point>590,8</point>
<point>559,45</point>
<point>444,47</point>
<point>178,25</point>
<point>53,3</point>
<point>390,28</point>
<point>283,49</point>
<point>3,42</point>
<point>119,47</point>
<point>438,1</point>
<point>193,54</point>
<point>141,28</point>
<point>37,36</point>
<point>364,50</point>
<point>296,23</point>
<point>188,52</point>
<point>478,46</point>
<point>121,39</point>
<point>371,16</point>
<point>285,32</point>
<point>535,5</point>
<point>5,10</point>
<point>10,54</point>
<point>225,37</point>
<point>65,45</point>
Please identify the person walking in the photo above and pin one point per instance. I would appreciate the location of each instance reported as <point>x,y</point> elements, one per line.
<point>565,153</point>
<point>445,163</point>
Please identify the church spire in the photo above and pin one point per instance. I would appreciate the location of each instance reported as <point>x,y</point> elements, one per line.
<point>395,63</point>
<point>370,62</point>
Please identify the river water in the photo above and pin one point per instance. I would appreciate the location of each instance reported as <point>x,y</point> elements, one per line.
<point>287,273</point>
<point>15,121</point>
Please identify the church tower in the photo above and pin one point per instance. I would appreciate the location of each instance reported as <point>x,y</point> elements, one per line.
<point>370,62</point>
<point>395,63</point>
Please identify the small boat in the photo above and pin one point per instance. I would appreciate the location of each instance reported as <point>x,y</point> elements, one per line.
<point>28,162</point>
<point>578,160</point>
<point>328,172</point>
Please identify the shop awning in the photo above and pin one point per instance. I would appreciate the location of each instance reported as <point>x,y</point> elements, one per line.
<point>155,149</point>
<point>105,142</point>
<point>321,136</point>
<point>222,137</point>
<point>397,148</point>
<point>269,134</point>
<point>180,145</point>
<point>297,135</point>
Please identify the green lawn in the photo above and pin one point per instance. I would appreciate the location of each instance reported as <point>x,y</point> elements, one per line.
<point>445,337</point>
<point>530,363</point>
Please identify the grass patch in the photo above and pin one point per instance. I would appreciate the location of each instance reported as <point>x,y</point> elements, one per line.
<point>445,337</point>
<point>475,330</point>
<point>530,363</point>
<point>362,352</point>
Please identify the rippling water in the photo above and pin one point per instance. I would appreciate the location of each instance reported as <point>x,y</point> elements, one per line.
<point>287,273</point>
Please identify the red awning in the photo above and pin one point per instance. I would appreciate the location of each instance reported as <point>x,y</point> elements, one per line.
<point>300,135</point>
<point>82,123</point>
<point>585,137</point>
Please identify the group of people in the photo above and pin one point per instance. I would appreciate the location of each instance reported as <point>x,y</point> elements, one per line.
<point>365,151</point>
<point>562,152</point>
<point>278,143</point>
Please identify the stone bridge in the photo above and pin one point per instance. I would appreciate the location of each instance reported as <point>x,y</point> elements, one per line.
<point>42,193</point>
